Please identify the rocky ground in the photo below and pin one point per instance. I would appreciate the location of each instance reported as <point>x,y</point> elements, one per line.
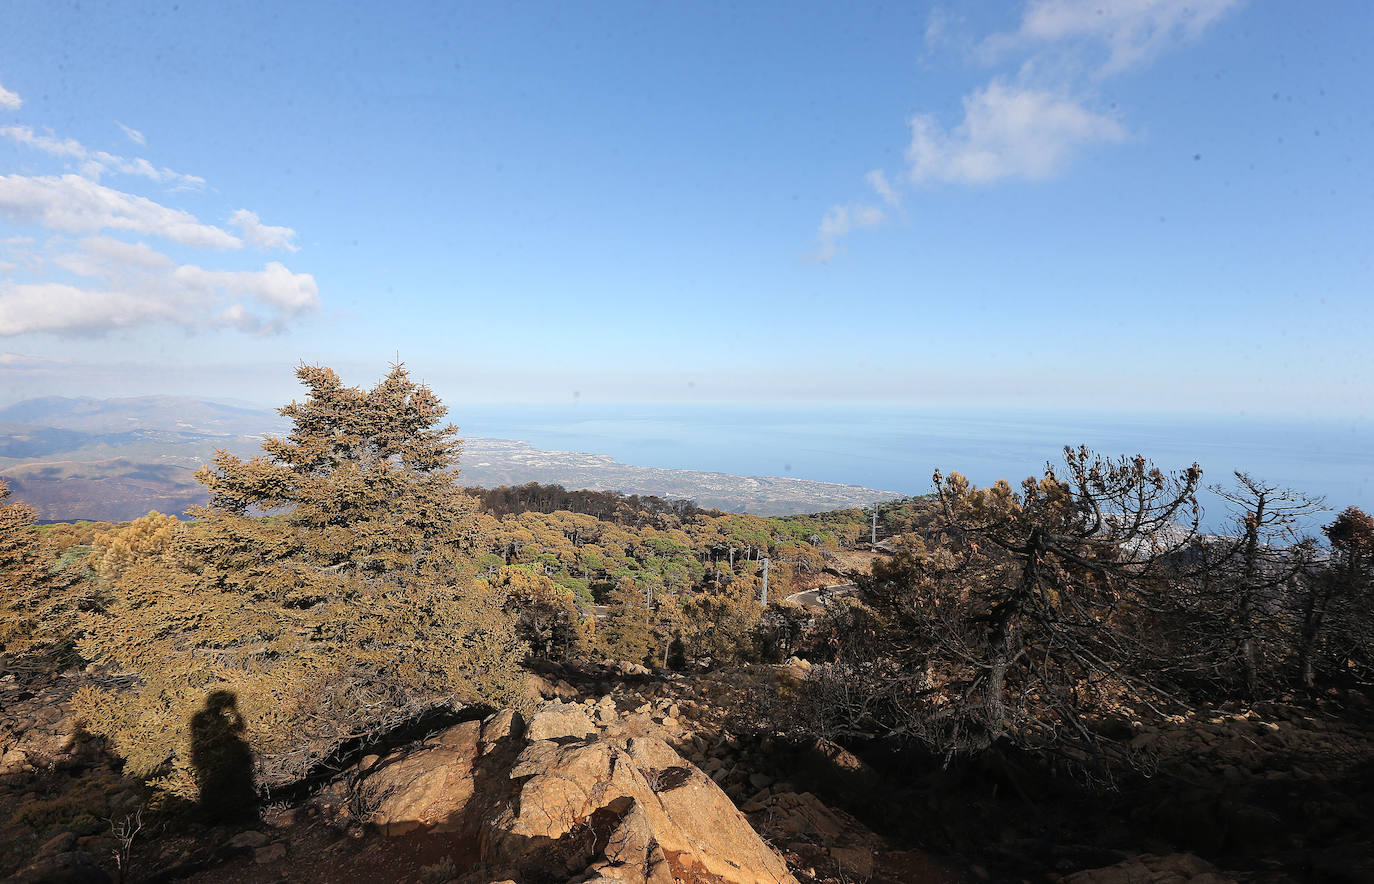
<point>620,775</point>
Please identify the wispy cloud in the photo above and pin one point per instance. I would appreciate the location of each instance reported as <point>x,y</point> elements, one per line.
<point>134,135</point>
<point>837,224</point>
<point>1030,123</point>
<point>263,236</point>
<point>1128,32</point>
<point>24,362</point>
<point>841,219</point>
<point>9,100</point>
<point>49,144</point>
<point>95,163</point>
<point>877,179</point>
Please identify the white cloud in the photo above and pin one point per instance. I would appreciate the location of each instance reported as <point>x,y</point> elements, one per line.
<point>1132,32</point>
<point>74,204</point>
<point>877,179</point>
<point>1007,132</point>
<point>9,100</point>
<point>837,224</point>
<point>102,162</point>
<point>1030,125</point>
<point>134,135</point>
<point>132,284</point>
<point>103,256</point>
<point>61,147</point>
<point>262,235</point>
<point>117,251</point>
<point>288,293</point>
<point>93,164</point>
<point>102,283</point>
<point>57,307</point>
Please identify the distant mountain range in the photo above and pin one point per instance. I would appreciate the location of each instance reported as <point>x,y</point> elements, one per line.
<point>116,459</point>
<point>171,413</point>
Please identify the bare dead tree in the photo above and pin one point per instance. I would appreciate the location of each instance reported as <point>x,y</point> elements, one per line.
<point>1247,581</point>
<point>1027,614</point>
<point>124,832</point>
<point>1337,613</point>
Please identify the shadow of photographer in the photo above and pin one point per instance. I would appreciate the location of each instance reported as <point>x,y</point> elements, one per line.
<point>222,759</point>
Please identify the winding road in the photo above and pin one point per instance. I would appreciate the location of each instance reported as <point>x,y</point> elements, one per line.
<point>815,598</point>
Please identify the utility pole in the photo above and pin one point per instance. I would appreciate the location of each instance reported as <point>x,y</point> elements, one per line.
<point>763,593</point>
<point>874,541</point>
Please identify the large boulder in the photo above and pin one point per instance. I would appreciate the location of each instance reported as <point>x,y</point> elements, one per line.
<point>556,798</point>
<point>558,719</point>
<point>426,788</point>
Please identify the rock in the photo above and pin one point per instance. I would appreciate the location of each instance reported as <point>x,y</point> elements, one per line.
<point>804,813</point>
<point>760,780</point>
<point>249,839</point>
<point>429,787</point>
<point>13,760</point>
<point>559,720</point>
<point>282,819</point>
<point>537,686</point>
<point>59,843</point>
<point>694,824</point>
<point>1251,826</point>
<point>1345,863</point>
<point>855,861</point>
<point>633,849</point>
<point>622,809</point>
<point>501,726</point>
<point>96,845</point>
<point>70,867</point>
<point>269,854</point>
<point>1175,868</point>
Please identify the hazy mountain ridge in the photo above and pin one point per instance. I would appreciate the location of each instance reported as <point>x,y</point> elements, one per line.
<point>115,459</point>
<point>143,413</point>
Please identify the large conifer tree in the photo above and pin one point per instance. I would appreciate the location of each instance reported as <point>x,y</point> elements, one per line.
<point>327,585</point>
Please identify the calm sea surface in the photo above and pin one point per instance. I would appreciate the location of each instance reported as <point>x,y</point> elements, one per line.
<point>896,449</point>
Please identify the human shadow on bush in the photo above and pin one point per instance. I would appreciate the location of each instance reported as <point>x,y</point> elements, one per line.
<point>222,760</point>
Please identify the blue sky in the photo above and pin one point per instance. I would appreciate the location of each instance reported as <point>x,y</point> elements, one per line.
<point>1141,205</point>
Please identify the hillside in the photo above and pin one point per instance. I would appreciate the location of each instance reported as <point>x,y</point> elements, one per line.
<point>1010,686</point>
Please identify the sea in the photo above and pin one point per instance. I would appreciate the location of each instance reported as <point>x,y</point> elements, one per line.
<point>896,448</point>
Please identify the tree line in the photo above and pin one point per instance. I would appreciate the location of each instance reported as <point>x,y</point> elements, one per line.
<point>608,506</point>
